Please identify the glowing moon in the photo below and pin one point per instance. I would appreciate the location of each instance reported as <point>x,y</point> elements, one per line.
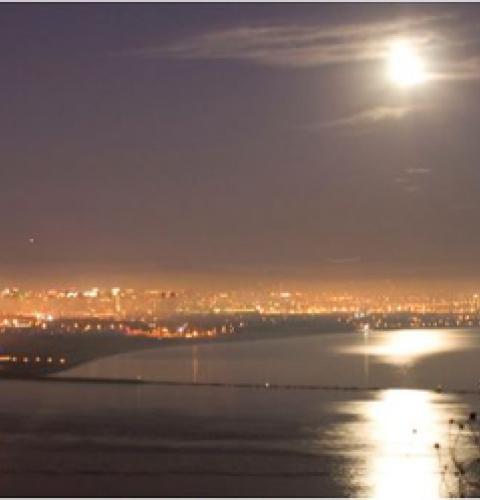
<point>405,67</point>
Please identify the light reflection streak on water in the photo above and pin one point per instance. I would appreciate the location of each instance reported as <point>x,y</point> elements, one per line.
<point>405,426</point>
<point>194,364</point>
<point>393,436</point>
<point>401,347</point>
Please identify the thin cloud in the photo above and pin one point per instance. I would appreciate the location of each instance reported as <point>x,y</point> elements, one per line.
<point>467,69</point>
<point>409,182</point>
<point>367,117</point>
<point>418,171</point>
<point>344,260</point>
<point>298,46</point>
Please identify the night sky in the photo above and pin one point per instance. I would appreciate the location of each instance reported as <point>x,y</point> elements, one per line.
<point>237,143</point>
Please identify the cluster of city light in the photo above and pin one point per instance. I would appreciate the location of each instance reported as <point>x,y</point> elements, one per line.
<point>32,359</point>
<point>133,328</point>
<point>154,304</point>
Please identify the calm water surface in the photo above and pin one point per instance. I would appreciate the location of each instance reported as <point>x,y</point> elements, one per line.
<point>94,439</point>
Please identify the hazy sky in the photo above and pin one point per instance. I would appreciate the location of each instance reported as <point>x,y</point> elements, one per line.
<point>227,141</point>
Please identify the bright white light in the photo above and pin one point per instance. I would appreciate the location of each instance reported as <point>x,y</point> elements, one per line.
<point>405,67</point>
<point>396,430</point>
<point>401,347</point>
<point>404,424</point>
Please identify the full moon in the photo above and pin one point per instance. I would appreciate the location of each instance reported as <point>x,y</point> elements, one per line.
<point>405,67</point>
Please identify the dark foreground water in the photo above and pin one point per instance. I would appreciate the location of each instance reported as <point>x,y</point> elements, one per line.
<point>88,439</point>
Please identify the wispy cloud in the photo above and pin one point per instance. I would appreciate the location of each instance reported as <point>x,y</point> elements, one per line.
<point>344,260</point>
<point>409,182</point>
<point>418,171</point>
<point>304,46</point>
<point>366,117</point>
<point>298,46</point>
<point>463,69</point>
